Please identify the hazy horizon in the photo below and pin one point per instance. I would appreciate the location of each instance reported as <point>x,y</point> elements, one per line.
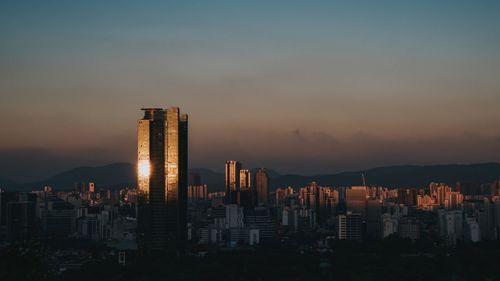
<point>306,88</point>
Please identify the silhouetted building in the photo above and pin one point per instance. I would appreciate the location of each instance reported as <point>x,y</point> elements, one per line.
<point>162,178</point>
<point>232,172</point>
<point>356,199</point>
<point>408,228</point>
<point>373,216</point>
<point>246,194</point>
<point>349,226</point>
<point>88,227</point>
<point>20,219</point>
<point>260,219</point>
<point>5,197</point>
<point>472,232</point>
<point>58,219</point>
<point>262,186</point>
<point>197,193</point>
<point>450,225</point>
<point>407,196</point>
<point>246,198</point>
<point>485,220</point>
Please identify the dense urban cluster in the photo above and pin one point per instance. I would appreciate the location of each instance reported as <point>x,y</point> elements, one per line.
<point>173,212</point>
<point>249,212</point>
<point>83,215</point>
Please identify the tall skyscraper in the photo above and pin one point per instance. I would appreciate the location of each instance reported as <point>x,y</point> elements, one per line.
<point>246,194</point>
<point>245,179</point>
<point>373,222</point>
<point>162,178</point>
<point>262,186</point>
<point>232,172</point>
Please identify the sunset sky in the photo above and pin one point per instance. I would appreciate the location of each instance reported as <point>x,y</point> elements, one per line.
<point>302,87</point>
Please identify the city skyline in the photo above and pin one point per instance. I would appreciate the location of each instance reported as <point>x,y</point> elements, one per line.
<point>300,88</point>
<point>318,140</point>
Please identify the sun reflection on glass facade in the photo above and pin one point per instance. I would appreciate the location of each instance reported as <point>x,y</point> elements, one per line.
<point>162,178</point>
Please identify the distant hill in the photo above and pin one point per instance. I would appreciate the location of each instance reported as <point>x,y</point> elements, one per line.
<point>270,172</point>
<point>109,176</point>
<point>7,184</point>
<point>124,174</point>
<point>400,176</point>
<point>216,181</point>
<point>113,175</point>
<point>208,176</point>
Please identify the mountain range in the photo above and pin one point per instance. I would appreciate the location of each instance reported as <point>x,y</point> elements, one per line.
<point>124,174</point>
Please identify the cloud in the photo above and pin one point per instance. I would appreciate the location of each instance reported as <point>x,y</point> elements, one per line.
<point>294,151</point>
<point>297,135</point>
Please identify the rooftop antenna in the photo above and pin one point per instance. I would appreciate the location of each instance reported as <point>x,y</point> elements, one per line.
<point>363,177</point>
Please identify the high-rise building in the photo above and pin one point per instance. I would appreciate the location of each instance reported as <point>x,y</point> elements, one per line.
<point>373,222</point>
<point>439,192</point>
<point>21,216</point>
<point>262,186</point>
<point>485,220</point>
<point>260,219</point>
<point>246,194</point>
<point>407,196</point>
<point>162,178</point>
<point>84,187</point>
<point>408,228</point>
<point>245,179</point>
<point>450,225</point>
<point>349,226</point>
<point>356,199</point>
<point>454,200</point>
<point>58,219</point>
<point>281,195</point>
<point>496,216</point>
<point>197,193</point>
<point>389,224</point>
<point>232,172</point>
<point>471,230</point>
<point>5,198</point>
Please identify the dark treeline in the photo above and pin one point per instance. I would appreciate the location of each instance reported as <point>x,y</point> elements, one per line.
<point>391,259</point>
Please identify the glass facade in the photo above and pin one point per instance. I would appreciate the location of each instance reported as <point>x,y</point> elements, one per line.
<point>162,178</point>
<point>262,186</point>
<point>232,181</point>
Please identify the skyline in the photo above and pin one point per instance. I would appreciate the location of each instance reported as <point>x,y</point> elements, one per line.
<point>327,87</point>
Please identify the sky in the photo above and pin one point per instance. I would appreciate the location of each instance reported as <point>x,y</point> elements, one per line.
<point>305,87</point>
